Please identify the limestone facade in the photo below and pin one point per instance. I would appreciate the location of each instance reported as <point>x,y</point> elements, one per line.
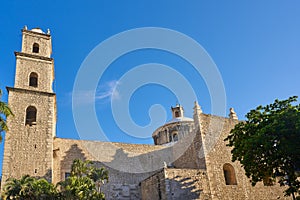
<point>171,183</point>
<point>189,160</point>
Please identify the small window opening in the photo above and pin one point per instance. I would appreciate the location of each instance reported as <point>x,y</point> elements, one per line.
<point>229,174</point>
<point>35,48</point>
<point>35,170</point>
<point>156,140</point>
<point>176,114</point>
<point>30,116</point>
<point>33,79</point>
<point>67,174</point>
<point>35,146</point>
<point>175,137</point>
<point>170,138</point>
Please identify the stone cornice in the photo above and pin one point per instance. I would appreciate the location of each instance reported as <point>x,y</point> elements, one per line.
<point>32,56</point>
<point>29,91</point>
<point>47,36</point>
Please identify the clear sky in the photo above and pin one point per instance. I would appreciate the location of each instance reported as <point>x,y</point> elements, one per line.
<point>254,44</point>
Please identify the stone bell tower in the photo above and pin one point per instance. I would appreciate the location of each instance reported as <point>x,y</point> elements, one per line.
<point>28,147</point>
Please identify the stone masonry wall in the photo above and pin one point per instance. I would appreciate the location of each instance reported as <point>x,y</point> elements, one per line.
<point>172,184</point>
<point>189,152</point>
<point>44,41</point>
<point>217,154</point>
<point>44,69</point>
<point>122,185</point>
<point>187,184</point>
<point>154,187</point>
<point>28,149</point>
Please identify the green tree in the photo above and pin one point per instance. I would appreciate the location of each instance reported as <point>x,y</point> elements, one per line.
<point>17,189</point>
<point>43,190</point>
<point>4,113</point>
<point>84,182</point>
<point>80,168</point>
<point>12,189</point>
<point>267,144</point>
<point>28,188</point>
<point>99,176</point>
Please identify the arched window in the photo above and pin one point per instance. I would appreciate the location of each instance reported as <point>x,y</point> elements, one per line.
<point>33,79</point>
<point>35,48</point>
<point>229,174</point>
<point>30,116</point>
<point>170,138</point>
<point>177,114</point>
<point>175,137</point>
<point>155,140</point>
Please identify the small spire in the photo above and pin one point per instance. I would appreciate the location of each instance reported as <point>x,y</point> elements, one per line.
<point>48,31</point>
<point>232,114</point>
<point>197,108</point>
<point>25,27</point>
<point>197,116</point>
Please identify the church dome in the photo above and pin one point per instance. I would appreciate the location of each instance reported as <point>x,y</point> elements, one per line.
<point>180,119</point>
<point>175,129</point>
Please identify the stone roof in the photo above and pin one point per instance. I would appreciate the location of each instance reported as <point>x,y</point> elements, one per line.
<point>180,119</point>
<point>37,30</point>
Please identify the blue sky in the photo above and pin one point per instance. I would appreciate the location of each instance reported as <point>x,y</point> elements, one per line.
<point>255,46</point>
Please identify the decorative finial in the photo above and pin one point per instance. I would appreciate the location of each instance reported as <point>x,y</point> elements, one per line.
<point>25,27</point>
<point>197,108</point>
<point>48,31</point>
<point>232,114</point>
<point>197,116</point>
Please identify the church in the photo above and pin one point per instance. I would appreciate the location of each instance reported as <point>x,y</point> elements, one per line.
<point>189,158</point>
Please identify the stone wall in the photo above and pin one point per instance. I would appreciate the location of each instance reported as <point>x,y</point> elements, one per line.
<point>154,187</point>
<point>189,152</point>
<point>28,148</point>
<point>122,184</point>
<point>170,184</point>
<point>44,41</point>
<point>218,154</point>
<point>27,65</point>
<point>187,184</point>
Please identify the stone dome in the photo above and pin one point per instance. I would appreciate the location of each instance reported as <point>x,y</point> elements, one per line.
<point>175,129</point>
<point>180,119</point>
<point>37,30</point>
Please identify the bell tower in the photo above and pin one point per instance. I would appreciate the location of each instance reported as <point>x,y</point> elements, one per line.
<point>177,111</point>
<point>28,146</point>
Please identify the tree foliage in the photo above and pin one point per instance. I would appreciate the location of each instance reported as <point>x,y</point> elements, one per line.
<point>29,188</point>
<point>84,181</point>
<point>83,184</point>
<point>4,113</point>
<point>267,144</point>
